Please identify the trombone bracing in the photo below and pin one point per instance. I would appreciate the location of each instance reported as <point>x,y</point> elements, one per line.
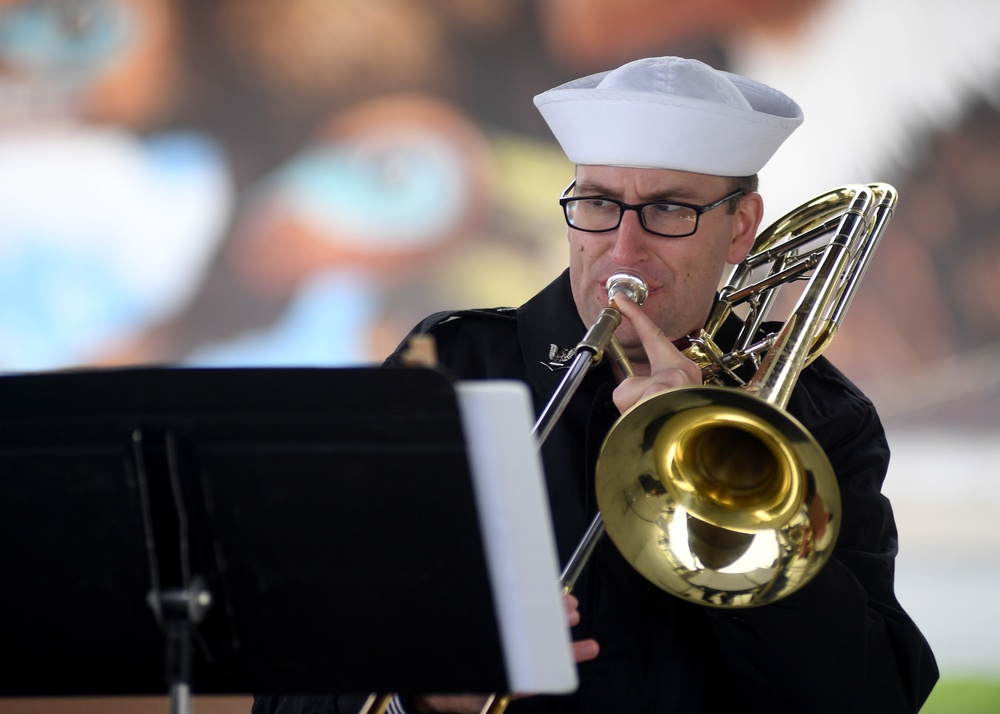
<point>714,492</point>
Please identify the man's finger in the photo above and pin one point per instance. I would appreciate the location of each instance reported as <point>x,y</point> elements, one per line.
<point>660,349</point>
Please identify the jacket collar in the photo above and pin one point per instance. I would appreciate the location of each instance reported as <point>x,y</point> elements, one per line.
<point>549,328</point>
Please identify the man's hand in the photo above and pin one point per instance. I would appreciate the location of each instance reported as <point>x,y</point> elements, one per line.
<point>583,650</point>
<point>668,367</point>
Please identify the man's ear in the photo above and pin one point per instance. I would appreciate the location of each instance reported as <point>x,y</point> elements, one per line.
<point>746,219</point>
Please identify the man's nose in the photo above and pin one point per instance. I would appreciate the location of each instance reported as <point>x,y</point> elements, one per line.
<point>630,239</point>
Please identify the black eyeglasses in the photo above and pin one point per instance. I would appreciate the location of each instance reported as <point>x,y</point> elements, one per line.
<point>600,214</point>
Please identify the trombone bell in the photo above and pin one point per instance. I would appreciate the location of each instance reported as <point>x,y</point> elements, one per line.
<point>718,497</point>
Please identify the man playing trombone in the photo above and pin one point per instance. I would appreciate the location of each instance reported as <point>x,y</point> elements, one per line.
<point>667,152</point>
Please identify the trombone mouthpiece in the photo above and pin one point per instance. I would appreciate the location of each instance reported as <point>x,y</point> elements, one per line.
<point>633,286</point>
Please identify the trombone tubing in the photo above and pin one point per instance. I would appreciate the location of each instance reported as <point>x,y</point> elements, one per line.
<point>588,352</point>
<point>776,378</point>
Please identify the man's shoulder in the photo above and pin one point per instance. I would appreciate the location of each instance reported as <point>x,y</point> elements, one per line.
<point>474,324</point>
<point>827,400</point>
<point>486,315</point>
<point>473,343</point>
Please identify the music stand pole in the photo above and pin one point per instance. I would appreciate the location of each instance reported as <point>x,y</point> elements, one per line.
<point>180,610</point>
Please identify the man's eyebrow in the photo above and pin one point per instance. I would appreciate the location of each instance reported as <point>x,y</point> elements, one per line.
<point>591,189</point>
<point>676,193</point>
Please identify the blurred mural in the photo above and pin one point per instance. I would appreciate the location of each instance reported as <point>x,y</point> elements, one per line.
<point>289,182</point>
<point>252,181</point>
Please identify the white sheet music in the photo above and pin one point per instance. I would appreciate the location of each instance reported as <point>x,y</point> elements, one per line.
<point>517,530</point>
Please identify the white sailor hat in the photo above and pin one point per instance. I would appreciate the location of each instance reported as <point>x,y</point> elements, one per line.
<point>670,113</point>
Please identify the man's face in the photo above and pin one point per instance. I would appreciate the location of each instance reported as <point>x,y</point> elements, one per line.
<point>682,273</point>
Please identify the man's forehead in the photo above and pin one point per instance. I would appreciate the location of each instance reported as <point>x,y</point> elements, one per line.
<point>646,182</point>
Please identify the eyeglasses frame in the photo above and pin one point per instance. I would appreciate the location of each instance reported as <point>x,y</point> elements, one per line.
<point>637,207</point>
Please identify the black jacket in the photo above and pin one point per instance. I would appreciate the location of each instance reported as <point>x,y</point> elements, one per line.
<point>841,644</point>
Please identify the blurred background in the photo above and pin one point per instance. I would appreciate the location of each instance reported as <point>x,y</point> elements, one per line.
<point>297,182</point>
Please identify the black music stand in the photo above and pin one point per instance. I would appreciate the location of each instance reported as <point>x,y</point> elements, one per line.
<point>240,530</point>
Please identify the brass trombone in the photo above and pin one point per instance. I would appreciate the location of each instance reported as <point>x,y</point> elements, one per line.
<point>716,494</point>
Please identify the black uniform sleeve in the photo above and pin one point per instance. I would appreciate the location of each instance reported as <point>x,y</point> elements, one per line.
<point>842,643</point>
